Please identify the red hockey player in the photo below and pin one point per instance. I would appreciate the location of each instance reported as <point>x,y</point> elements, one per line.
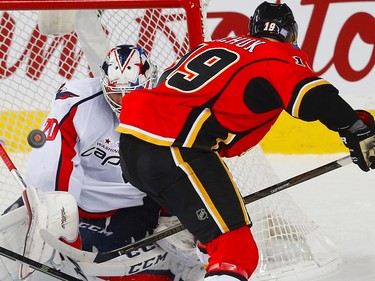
<point>220,100</point>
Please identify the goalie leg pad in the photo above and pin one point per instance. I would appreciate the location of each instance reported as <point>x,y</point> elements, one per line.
<point>66,265</point>
<point>182,245</point>
<point>13,226</point>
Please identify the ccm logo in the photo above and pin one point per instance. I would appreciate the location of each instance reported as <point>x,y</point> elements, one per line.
<point>146,263</point>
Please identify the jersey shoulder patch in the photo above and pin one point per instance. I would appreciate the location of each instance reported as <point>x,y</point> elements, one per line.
<point>63,94</point>
<point>81,89</point>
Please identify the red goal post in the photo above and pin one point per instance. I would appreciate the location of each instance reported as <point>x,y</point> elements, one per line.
<point>192,8</point>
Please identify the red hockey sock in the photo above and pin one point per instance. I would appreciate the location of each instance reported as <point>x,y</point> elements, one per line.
<point>234,253</point>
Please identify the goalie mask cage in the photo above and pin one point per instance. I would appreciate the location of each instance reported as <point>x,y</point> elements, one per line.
<point>34,65</point>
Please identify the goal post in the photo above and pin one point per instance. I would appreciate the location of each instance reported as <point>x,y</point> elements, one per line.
<point>33,65</point>
<point>192,9</point>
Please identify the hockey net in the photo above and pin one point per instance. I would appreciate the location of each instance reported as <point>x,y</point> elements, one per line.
<point>33,66</point>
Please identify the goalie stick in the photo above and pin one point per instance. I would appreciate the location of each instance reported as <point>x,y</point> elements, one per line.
<point>37,266</point>
<point>83,256</point>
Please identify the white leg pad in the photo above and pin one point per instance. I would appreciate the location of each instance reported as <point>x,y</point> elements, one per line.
<point>13,226</point>
<point>187,272</point>
<point>68,267</point>
<point>182,245</point>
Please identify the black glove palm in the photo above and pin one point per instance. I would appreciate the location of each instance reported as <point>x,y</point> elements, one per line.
<point>360,139</point>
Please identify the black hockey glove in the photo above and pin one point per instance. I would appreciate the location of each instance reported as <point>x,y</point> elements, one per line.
<point>360,139</point>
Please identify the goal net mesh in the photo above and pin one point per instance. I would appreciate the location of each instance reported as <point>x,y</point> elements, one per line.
<point>34,65</point>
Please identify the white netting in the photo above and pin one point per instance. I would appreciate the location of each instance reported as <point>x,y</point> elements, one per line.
<point>33,66</point>
<point>292,247</point>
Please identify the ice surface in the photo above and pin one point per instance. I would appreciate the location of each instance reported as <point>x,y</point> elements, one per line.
<point>342,203</point>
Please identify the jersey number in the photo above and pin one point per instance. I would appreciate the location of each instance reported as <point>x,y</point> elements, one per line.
<point>299,61</point>
<point>201,69</point>
<point>51,128</point>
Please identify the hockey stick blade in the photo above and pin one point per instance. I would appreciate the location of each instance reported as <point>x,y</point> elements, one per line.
<point>37,266</point>
<point>145,257</point>
<point>90,257</point>
<point>106,256</point>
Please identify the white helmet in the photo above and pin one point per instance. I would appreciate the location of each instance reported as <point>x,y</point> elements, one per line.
<point>125,69</point>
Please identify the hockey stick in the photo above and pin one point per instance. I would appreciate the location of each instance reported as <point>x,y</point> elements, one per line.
<point>37,266</point>
<point>15,256</point>
<point>298,179</point>
<point>11,167</point>
<point>105,256</point>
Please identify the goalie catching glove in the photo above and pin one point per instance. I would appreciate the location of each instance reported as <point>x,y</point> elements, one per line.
<point>360,139</point>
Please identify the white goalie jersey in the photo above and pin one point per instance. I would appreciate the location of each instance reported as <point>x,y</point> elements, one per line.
<point>81,159</point>
<point>81,154</point>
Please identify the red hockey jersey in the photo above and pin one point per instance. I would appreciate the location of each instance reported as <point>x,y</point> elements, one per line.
<point>224,95</point>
